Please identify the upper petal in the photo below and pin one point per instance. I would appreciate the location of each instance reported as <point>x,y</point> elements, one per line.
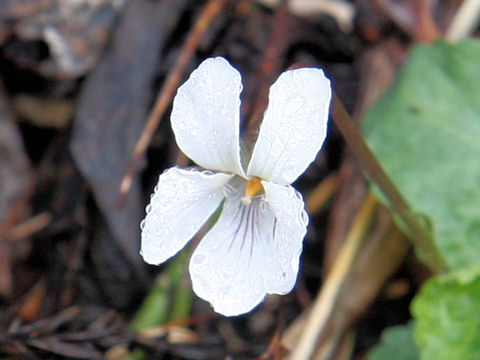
<point>249,252</point>
<point>206,115</point>
<point>294,126</point>
<point>183,200</point>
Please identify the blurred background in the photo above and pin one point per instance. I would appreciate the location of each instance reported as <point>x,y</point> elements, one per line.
<point>82,81</point>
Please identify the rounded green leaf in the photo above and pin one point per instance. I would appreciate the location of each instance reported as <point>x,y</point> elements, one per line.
<point>447,316</point>
<point>396,344</point>
<point>425,132</point>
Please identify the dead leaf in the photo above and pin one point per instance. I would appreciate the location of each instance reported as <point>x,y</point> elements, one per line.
<point>110,115</point>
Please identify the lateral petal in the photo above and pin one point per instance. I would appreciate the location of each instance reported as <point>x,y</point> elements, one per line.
<point>206,116</point>
<point>294,126</point>
<point>183,200</point>
<point>290,229</point>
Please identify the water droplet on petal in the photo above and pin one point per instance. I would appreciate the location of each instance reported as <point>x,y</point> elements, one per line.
<point>296,103</point>
<point>304,217</point>
<point>227,276</point>
<point>158,230</point>
<point>199,259</point>
<point>166,205</point>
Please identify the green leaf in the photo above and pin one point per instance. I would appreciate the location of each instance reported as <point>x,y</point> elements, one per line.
<point>154,308</point>
<point>447,316</point>
<point>169,299</point>
<point>425,133</point>
<point>181,306</point>
<point>396,344</point>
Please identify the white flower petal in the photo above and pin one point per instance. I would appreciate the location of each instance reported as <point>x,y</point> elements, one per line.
<point>206,116</point>
<point>226,267</point>
<point>290,229</point>
<point>183,200</point>
<point>252,250</point>
<point>294,126</point>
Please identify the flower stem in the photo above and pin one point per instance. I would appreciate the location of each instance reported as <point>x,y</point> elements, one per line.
<point>418,235</point>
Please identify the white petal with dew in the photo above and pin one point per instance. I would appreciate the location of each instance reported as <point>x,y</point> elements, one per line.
<point>250,252</point>
<point>206,116</point>
<point>294,126</point>
<point>291,222</point>
<point>226,267</point>
<point>183,200</point>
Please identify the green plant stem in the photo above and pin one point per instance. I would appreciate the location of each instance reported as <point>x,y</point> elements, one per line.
<point>181,307</point>
<point>417,234</point>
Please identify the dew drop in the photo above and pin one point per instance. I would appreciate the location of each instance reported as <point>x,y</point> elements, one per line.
<point>185,187</point>
<point>304,217</point>
<point>298,195</point>
<point>192,228</point>
<point>199,259</point>
<point>227,276</point>
<point>159,230</point>
<point>167,205</point>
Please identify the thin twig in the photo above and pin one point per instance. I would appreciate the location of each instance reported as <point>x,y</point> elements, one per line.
<point>325,301</point>
<point>465,21</point>
<point>277,44</point>
<point>209,12</point>
<point>342,11</point>
<point>30,227</point>
<point>415,232</point>
<point>321,193</point>
<point>415,18</point>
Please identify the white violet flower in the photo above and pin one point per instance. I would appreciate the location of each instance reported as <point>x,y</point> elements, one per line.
<point>254,247</point>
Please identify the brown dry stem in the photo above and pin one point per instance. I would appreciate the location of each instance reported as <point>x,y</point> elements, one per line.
<point>319,196</point>
<point>208,14</point>
<point>414,231</point>
<point>325,301</point>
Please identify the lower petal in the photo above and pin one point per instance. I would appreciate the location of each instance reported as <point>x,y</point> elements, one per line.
<point>182,202</point>
<point>252,250</point>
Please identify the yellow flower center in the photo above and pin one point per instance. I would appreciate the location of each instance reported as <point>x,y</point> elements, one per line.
<point>252,188</point>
